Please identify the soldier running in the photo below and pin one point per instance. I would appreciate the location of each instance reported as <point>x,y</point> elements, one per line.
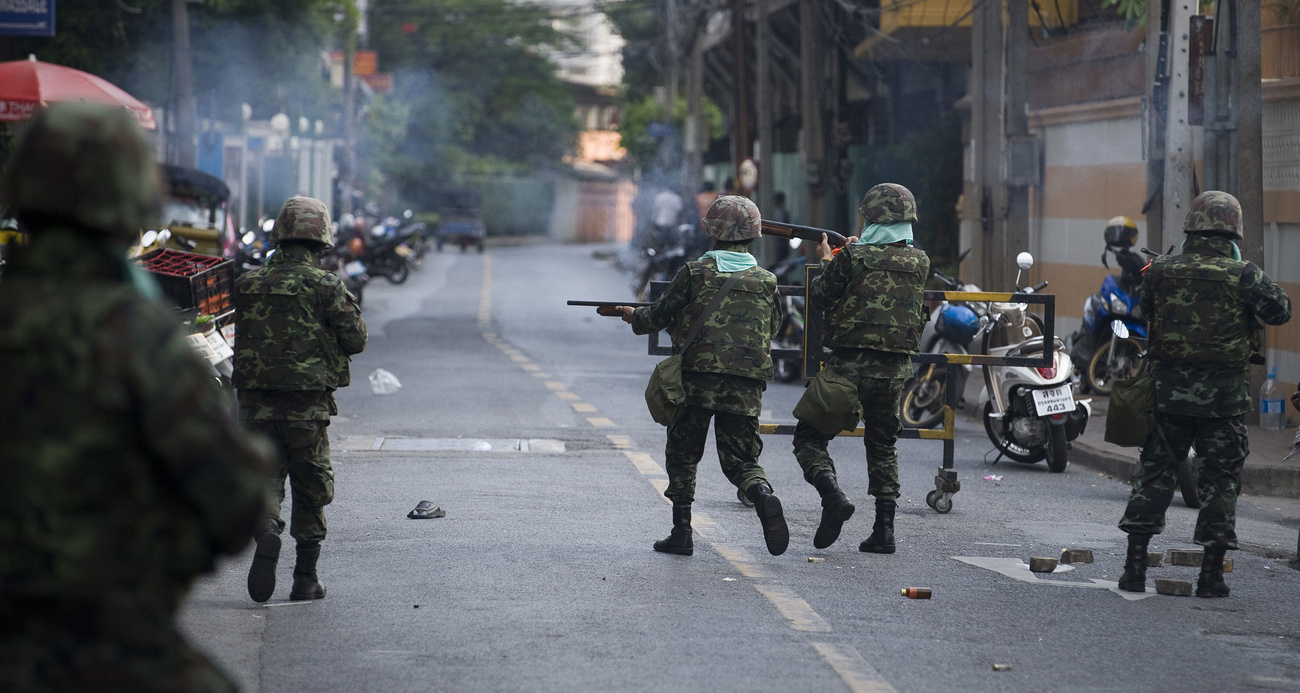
<point>295,327</point>
<point>724,371</point>
<point>872,294</point>
<point>1203,305</point>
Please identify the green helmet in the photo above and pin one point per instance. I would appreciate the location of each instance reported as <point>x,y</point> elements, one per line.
<point>305,219</point>
<point>733,218</point>
<point>1214,211</point>
<point>888,203</point>
<point>85,164</point>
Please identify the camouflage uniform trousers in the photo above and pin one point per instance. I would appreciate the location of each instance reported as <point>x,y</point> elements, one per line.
<point>1221,447</point>
<point>879,400</point>
<point>739,446</point>
<point>305,460</point>
<point>116,644</point>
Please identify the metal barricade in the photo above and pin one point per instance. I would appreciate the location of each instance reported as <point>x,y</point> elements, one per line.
<point>945,481</point>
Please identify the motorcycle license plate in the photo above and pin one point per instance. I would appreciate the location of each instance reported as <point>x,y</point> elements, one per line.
<point>355,268</point>
<point>1054,400</point>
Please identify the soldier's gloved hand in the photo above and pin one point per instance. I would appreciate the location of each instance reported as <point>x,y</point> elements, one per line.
<point>1295,399</point>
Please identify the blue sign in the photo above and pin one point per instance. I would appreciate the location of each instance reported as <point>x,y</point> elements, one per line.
<point>26,17</point>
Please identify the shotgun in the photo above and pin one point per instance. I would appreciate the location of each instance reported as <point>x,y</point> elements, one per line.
<point>781,229</point>
<point>604,307</point>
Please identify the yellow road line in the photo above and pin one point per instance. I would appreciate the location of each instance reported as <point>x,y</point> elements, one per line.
<point>739,560</point>
<point>644,463</point>
<point>554,385</point>
<point>600,422</point>
<point>620,442</point>
<point>582,407</point>
<point>860,676</point>
<point>567,395</point>
<point>531,367</point>
<point>540,374</point>
<point>795,610</point>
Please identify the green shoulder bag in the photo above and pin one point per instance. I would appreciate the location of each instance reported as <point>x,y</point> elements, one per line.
<point>1132,414</point>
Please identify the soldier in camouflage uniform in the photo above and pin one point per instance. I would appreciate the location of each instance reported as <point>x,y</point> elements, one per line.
<point>124,474</point>
<point>724,371</point>
<point>872,293</point>
<point>295,327</point>
<point>1204,306</point>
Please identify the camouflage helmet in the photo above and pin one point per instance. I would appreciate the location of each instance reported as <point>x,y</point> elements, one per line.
<point>1214,211</point>
<point>305,219</point>
<point>85,164</point>
<point>888,203</point>
<point>733,218</point>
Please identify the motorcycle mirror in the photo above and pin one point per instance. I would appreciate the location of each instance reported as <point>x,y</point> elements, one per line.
<point>408,214</point>
<point>164,235</point>
<point>249,238</point>
<point>1024,261</point>
<point>795,243</point>
<point>148,238</point>
<point>1119,328</point>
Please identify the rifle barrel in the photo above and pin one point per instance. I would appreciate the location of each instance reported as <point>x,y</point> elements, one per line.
<point>598,304</point>
<point>782,229</point>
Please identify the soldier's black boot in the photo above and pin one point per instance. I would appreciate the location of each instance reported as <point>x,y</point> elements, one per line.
<point>836,509</point>
<point>1211,583</point>
<point>775,532</point>
<point>882,532</point>
<point>679,541</point>
<point>261,575</point>
<point>305,583</point>
<point>1134,578</point>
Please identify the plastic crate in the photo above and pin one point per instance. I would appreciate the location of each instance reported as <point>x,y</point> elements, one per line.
<point>191,280</point>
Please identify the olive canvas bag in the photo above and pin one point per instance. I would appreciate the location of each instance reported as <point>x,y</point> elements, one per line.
<point>830,404</point>
<point>665,395</point>
<point>1132,413</point>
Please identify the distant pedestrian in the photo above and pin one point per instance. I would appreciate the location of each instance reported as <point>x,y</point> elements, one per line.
<point>705,198</point>
<point>295,327</point>
<point>124,474</point>
<point>1203,306</point>
<point>724,371</point>
<point>872,293</point>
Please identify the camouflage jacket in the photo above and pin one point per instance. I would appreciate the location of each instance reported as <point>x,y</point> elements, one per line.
<point>873,297</point>
<point>1203,307</point>
<point>737,337</point>
<point>122,469</point>
<point>295,326</point>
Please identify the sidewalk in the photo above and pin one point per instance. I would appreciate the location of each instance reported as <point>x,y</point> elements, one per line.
<point>1265,473</point>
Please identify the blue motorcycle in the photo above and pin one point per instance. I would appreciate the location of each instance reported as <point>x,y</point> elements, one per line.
<point>1100,355</point>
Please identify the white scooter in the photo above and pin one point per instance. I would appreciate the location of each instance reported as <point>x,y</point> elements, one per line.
<point>1030,413</point>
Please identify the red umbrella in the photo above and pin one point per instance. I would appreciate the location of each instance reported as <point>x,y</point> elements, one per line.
<point>26,85</point>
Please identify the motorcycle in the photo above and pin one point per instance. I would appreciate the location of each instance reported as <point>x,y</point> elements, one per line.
<point>952,332</point>
<point>1099,355</point>
<point>662,254</point>
<point>386,251</point>
<point>1030,413</point>
<point>789,272</point>
<point>344,259</point>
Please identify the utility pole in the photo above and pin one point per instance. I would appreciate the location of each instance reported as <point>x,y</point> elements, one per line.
<point>1019,161</point>
<point>695,132</point>
<point>810,88</point>
<point>1248,182</point>
<point>183,113</point>
<point>985,204</point>
<point>1178,188</point>
<point>740,97</point>
<point>348,37</point>
<point>1157,71</point>
<point>763,104</point>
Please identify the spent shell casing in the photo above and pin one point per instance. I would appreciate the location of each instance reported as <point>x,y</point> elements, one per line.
<point>916,592</point>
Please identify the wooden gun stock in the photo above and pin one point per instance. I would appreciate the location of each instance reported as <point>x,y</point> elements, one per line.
<point>780,229</point>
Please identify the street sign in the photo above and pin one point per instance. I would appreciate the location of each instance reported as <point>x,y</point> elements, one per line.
<point>27,18</point>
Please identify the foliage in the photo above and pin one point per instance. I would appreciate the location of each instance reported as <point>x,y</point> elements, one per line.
<point>482,98</point>
<point>645,148</point>
<point>1134,12</point>
<point>1287,11</point>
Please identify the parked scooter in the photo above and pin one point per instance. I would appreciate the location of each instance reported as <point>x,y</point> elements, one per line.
<point>1030,413</point>
<point>952,331</point>
<point>385,252</point>
<point>344,259</point>
<point>1100,357</point>
<point>662,254</point>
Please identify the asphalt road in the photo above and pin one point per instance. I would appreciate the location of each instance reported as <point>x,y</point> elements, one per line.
<point>524,420</point>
